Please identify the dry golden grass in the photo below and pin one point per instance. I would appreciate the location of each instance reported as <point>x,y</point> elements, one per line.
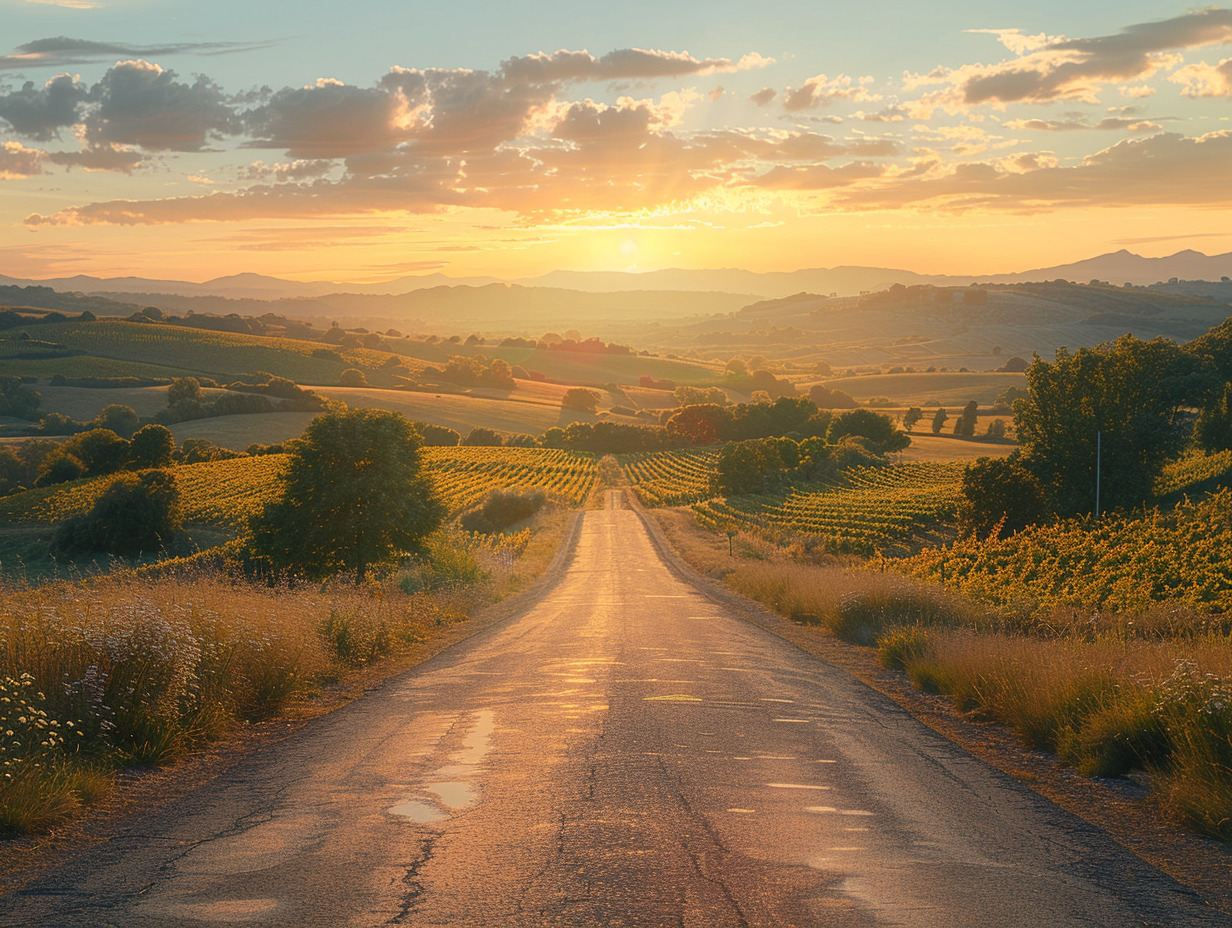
<point>140,668</point>
<point>1149,691</point>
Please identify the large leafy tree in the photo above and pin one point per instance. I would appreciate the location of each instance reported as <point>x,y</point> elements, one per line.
<point>354,496</point>
<point>1130,392</point>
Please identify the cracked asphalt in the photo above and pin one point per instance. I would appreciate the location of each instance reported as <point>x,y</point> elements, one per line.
<point>622,752</point>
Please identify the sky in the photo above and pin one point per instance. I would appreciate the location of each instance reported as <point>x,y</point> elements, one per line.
<point>383,138</point>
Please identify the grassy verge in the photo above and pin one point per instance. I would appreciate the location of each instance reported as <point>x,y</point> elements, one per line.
<point>136,670</point>
<point>1145,693</point>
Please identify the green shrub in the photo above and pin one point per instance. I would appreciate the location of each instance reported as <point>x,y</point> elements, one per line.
<point>503,508</point>
<point>136,513</point>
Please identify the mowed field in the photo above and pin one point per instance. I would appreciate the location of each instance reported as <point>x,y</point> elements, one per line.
<point>939,448</point>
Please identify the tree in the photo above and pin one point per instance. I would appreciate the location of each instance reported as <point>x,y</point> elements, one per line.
<point>354,496</point>
<point>102,451</point>
<point>123,420</point>
<point>1000,492</point>
<point>699,425</point>
<point>17,400</point>
<point>1131,393</point>
<point>877,428</point>
<point>965,426</point>
<point>352,377</point>
<point>580,398</point>
<point>151,446</point>
<point>184,391</point>
<point>939,418</point>
<point>743,465</point>
<point>1213,430</point>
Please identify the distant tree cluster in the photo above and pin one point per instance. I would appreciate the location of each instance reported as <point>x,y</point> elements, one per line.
<point>694,396</point>
<point>825,398</point>
<point>757,464</point>
<point>187,400</point>
<point>794,417</point>
<point>478,371</point>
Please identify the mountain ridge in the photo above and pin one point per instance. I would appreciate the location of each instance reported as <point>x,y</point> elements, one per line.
<point>1117,267</point>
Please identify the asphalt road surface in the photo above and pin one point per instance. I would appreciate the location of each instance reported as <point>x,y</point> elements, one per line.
<point>621,753</point>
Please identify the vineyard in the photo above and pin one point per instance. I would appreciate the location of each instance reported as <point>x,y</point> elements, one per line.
<point>1193,470</point>
<point>670,478</point>
<point>1119,564</point>
<point>463,476</point>
<point>227,493</point>
<point>864,509</point>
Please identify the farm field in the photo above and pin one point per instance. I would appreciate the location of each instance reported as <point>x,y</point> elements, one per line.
<point>926,447</point>
<point>950,389</point>
<point>195,351</point>
<point>588,368</point>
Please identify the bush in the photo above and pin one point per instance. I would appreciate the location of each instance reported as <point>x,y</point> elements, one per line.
<point>502,509</point>
<point>862,617</point>
<point>137,513</point>
<point>437,436</point>
<point>482,436</point>
<point>352,377</point>
<point>901,646</point>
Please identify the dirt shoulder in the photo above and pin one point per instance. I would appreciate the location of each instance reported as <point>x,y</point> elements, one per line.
<point>1121,808</point>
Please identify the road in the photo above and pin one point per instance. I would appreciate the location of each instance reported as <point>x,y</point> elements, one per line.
<point>623,752</point>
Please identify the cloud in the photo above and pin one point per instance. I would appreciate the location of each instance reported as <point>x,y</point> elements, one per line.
<point>18,161</point>
<point>817,176</point>
<point>62,51</point>
<point>1170,238</point>
<point>1075,69</point>
<point>595,157</point>
<point>763,96</point>
<point>283,172</point>
<point>820,91</point>
<point>67,4</point>
<point>1205,80</point>
<point>330,120</point>
<point>1163,169</point>
<point>139,103</point>
<point>623,64</point>
<point>99,158</point>
<point>1075,123</point>
<point>40,112</point>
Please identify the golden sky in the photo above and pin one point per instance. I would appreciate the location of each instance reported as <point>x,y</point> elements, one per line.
<point>981,147</point>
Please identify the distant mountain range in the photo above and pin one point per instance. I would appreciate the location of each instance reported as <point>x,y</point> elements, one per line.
<point>1117,268</point>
